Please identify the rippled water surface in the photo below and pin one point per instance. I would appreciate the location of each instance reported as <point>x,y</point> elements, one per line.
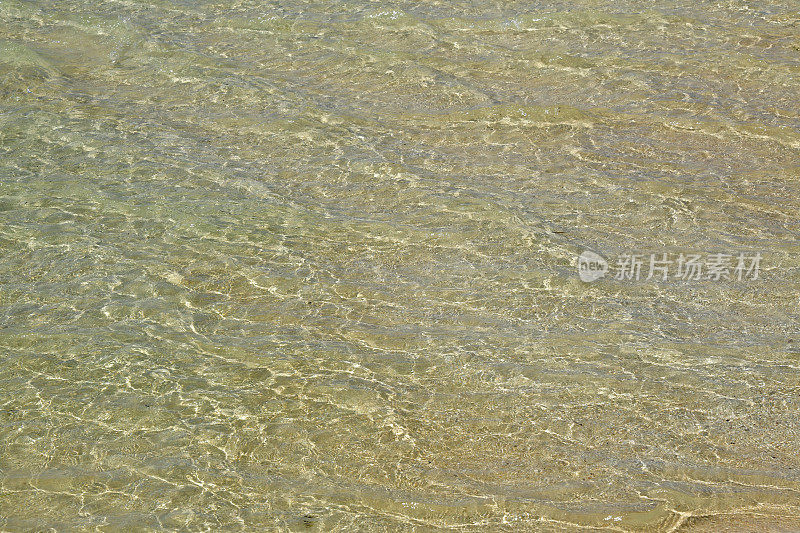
<point>308,265</point>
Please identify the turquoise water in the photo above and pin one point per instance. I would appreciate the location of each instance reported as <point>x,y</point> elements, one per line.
<point>313,266</point>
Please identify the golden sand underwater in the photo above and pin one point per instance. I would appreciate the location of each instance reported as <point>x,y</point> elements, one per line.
<point>315,266</point>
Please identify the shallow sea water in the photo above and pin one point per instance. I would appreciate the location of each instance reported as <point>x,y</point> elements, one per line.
<point>299,265</point>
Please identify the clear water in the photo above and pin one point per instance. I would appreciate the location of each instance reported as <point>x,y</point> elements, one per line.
<point>304,265</point>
